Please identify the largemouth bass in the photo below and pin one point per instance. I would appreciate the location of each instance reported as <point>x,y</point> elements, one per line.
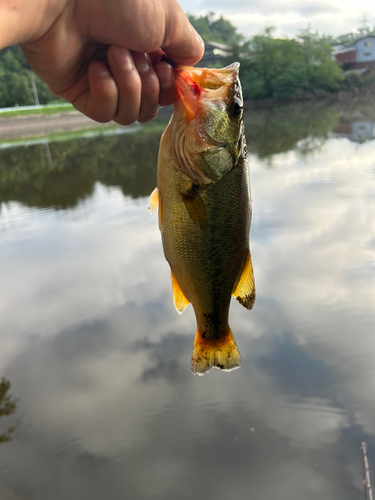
<point>204,204</point>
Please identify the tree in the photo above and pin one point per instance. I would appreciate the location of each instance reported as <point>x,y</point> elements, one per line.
<point>15,80</point>
<point>288,68</point>
<point>215,29</point>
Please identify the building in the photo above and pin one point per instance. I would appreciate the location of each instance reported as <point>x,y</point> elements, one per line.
<point>213,54</point>
<point>356,130</point>
<point>360,55</point>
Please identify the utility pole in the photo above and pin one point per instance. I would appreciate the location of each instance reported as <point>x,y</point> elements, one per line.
<point>35,92</point>
<point>365,28</point>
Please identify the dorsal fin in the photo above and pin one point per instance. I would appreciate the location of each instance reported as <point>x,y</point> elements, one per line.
<point>179,300</point>
<point>153,202</point>
<point>244,291</point>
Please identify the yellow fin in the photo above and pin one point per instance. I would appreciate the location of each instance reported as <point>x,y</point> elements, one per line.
<point>153,202</point>
<point>179,300</point>
<point>245,288</point>
<point>221,353</point>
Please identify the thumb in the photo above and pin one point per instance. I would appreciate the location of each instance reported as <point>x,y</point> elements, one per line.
<point>181,42</point>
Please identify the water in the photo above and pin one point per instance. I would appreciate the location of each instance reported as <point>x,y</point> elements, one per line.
<point>98,400</point>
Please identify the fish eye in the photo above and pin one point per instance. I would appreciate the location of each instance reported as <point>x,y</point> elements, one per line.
<point>236,107</point>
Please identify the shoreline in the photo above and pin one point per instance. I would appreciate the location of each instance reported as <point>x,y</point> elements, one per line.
<point>26,126</point>
<point>351,95</point>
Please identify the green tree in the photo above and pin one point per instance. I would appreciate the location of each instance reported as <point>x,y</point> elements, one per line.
<point>288,68</point>
<point>215,29</point>
<point>15,80</point>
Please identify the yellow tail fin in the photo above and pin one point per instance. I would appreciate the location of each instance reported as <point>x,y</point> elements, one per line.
<point>221,353</point>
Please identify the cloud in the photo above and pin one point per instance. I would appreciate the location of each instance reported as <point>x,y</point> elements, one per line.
<point>100,361</point>
<point>271,7</point>
<point>288,16</point>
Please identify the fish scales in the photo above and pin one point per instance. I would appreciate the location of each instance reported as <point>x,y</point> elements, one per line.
<point>205,213</point>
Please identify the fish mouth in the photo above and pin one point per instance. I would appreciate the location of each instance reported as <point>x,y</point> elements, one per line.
<point>195,84</point>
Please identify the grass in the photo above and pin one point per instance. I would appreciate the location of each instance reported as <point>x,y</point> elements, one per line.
<point>48,110</point>
<point>157,125</point>
<point>60,136</point>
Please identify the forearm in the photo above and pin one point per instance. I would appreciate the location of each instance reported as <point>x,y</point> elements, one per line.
<point>22,21</point>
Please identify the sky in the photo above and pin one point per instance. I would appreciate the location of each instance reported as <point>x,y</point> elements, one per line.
<point>100,361</point>
<point>333,17</point>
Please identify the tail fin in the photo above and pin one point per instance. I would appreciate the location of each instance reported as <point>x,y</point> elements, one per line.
<point>221,353</point>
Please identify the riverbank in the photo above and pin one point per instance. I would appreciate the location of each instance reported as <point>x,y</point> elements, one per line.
<point>356,94</point>
<point>24,126</point>
<point>41,124</point>
<point>48,109</point>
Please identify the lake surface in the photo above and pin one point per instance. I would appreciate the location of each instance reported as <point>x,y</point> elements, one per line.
<point>97,397</point>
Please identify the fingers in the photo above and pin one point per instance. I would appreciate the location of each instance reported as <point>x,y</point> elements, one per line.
<point>130,90</point>
<point>99,100</point>
<point>128,82</point>
<point>149,87</point>
<point>137,83</point>
<point>168,92</point>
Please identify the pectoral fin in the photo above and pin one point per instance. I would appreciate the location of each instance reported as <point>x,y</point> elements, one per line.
<point>195,207</point>
<point>179,300</point>
<point>153,202</point>
<point>244,291</point>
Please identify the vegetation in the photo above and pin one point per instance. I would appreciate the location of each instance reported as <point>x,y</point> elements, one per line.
<point>286,68</point>
<point>216,29</point>
<point>289,68</point>
<point>50,109</point>
<point>15,81</point>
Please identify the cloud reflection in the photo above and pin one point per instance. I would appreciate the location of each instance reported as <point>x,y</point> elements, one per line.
<point>101,361</point>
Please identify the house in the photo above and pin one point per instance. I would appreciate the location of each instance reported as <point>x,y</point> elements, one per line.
<point>213,54</point>
<point>360,55</point>
<point>357,130</point>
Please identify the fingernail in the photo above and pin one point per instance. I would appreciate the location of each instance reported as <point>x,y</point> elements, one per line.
<point>104,73</point>
<point>143,65</point>
<point>123,58</point>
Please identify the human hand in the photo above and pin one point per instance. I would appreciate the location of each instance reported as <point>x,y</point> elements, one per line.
<point>105,56</point>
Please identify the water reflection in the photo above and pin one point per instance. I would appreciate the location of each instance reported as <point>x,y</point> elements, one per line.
<point>126,160</point>
<point>100,360</point>
<point>8,407</point>
<point>356,130</point>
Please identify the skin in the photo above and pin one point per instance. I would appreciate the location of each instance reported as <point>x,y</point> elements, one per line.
<point>104,56</point>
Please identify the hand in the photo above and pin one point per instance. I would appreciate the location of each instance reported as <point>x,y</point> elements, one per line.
<point>103,56</point>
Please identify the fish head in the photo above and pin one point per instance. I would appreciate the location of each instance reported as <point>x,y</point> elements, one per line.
<point>208,118</point>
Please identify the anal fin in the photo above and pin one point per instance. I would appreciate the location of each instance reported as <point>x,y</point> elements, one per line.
<point>179,300</point>
<point>244,291</point>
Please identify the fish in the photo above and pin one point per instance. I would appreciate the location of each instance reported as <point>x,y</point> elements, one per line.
<point>204,208</point>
